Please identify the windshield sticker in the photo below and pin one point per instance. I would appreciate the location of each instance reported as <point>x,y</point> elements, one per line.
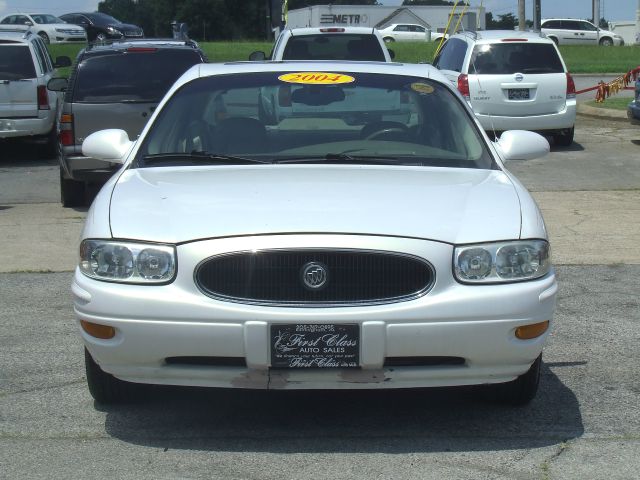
<point>421,88</point>
<point>316,78</point>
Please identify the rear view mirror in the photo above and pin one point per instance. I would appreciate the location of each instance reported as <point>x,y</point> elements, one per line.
<point>316,95</point>
<point>111,145</point>
<point>57,84</point>
<point>62,61</point>
<point>257,56</point>
<point>521,145</point>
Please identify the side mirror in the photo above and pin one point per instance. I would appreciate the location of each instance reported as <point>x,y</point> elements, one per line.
<point>58,84</point>
<point>521,145</point>
<point>28,23</point>
<point>111,145</point>
<point>62,61</point>
<point>392,54</point>
<point>257,56</point>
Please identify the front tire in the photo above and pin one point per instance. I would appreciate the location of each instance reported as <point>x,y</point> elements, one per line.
<point>606,42</point>
<point>565,138</point>
<point>389,39</point>
<point>44,37</point>
<point>520,391</point>
<point>104,387</point>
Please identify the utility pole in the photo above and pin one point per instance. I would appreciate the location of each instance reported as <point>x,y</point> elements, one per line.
<point>521,16</point>
<point>537,15</point>
<point>638,23</point>
<point>596,12</point>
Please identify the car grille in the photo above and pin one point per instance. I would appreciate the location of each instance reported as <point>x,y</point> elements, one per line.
<point>351,277</point>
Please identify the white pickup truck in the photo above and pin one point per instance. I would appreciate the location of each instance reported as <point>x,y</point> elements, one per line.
<point>329,43</point>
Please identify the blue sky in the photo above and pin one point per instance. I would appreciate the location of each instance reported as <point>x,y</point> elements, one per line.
<point>613,9</point>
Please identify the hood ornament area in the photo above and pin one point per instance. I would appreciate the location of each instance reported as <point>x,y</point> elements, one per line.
<point>314,275</point>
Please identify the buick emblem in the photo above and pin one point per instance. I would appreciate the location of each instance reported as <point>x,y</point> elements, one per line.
<point>314,275</point>
<point>519,77</point>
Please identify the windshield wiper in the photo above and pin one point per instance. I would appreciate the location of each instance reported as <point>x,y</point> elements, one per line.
<point>343,158</point>
<point>197,158</point>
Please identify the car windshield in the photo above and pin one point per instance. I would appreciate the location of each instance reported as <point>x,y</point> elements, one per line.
<point>334,46</point>
<point>46,19</point>
<point>16,62</point>
<point>138,75</point>
<point>317,117</point>
<point>103,18</point>
<point>515,57</point>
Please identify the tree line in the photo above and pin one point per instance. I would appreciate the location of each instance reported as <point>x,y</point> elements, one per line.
<point>211,20</point>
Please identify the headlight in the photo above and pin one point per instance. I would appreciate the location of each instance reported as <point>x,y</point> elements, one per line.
<point>114,31</point>
<point>126,262</point>
<point>502,262</point>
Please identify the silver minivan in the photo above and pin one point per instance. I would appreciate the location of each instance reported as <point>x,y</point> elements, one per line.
<point>513,81</point>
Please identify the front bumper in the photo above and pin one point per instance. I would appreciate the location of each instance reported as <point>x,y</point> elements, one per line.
<point>475,323</point>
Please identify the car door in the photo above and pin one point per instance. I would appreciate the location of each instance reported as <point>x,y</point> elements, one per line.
<point>588,33</point>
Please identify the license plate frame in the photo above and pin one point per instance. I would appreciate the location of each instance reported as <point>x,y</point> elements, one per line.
<point>518,94</point>
<point>323,346</point>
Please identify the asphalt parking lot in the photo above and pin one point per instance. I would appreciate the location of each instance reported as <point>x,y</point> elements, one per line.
<point>584,424</point>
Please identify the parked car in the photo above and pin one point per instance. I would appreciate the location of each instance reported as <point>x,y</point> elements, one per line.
<point>27,108</point>
<point>328,43</point>
<point>633,110</point>
<point>50,28</point>
<point>101,27</point>
<point>513,80</point>
<point>117,85</point>
<point>571,31</point>
<point>405,32</point>
<point>316,253</point>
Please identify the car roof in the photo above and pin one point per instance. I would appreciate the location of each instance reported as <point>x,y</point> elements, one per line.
<point>485,36</point>
<point>18,36</point>
<point>142,43</point>
<point>323,30</point>
<point>580,19</point>
<point>389,68</point>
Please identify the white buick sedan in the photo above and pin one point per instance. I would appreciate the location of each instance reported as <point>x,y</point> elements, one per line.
<point>335,245</point>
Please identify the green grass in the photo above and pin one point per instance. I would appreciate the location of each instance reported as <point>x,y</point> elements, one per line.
<point>612,103</point>
<point>579,59</point>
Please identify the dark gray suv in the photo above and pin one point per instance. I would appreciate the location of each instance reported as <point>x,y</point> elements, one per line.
<point>112,86</point>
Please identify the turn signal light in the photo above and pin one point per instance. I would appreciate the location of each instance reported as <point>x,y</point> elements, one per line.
<point>527,332</point>
<point>104,332</point>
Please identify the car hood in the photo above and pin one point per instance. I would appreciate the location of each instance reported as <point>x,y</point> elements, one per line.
<point>177,205</point>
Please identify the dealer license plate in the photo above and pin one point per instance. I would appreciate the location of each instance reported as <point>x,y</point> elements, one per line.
<point>315,346</point>
<point>518,93</point>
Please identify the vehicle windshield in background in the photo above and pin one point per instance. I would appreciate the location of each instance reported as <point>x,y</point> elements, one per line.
<point>334,46</point>
<point>103,18</point>
<point>16,63</point>
<point>46,19</point>
<point>314,117</point>
<point>138,76</point>
<point>515,57</point>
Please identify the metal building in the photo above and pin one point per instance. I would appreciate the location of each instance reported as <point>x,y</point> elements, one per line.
<point>380,16</point>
